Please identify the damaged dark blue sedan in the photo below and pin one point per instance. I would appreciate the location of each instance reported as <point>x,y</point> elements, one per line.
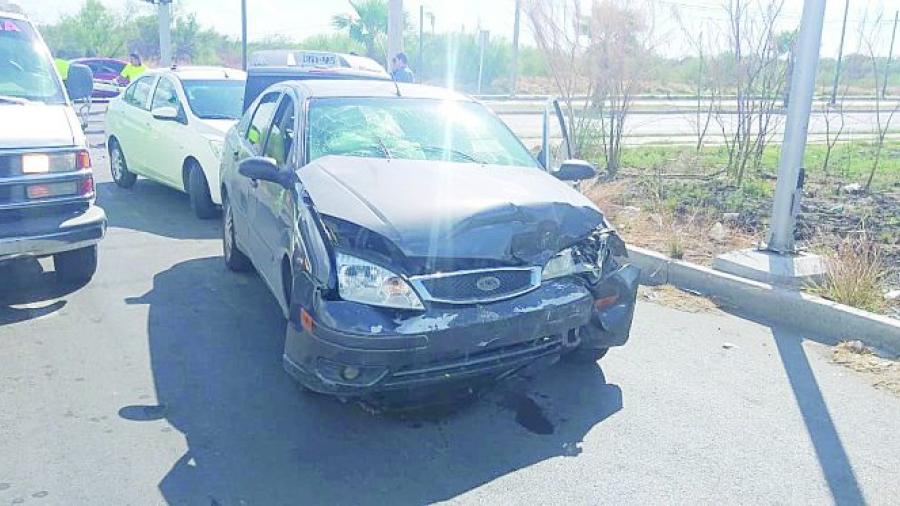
<point>412,241</point>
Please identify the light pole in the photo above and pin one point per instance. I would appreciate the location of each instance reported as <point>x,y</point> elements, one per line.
<point>165,30</point>
<point>780,263</point>
<point>244,34</point>
<point>395,28</point>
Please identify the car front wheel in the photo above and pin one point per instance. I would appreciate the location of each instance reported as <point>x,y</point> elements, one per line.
<point>198,189</point>
<point>119,169</point>
<point>77,266</point>
<point>235,259</point>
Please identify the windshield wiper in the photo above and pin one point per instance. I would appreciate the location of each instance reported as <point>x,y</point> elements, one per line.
<point>387,152</point>
<point>454,151</point>
<point>217,116</point>
<point>13,100</point>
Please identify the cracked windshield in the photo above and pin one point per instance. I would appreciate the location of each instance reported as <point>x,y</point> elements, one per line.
<point>407,252</point>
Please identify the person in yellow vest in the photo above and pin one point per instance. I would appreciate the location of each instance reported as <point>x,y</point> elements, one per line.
<point>133,69</point>
<point>61,61</point>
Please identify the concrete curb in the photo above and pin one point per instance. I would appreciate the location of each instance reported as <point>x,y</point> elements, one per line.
<point>812,315</point>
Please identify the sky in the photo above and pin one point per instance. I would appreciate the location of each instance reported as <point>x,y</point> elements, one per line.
<point>298,19</point>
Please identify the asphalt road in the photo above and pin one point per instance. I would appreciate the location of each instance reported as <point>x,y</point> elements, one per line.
<point>161,382</point>
<point>676,127</point>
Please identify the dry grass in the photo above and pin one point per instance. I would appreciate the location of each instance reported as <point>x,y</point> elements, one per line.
<point>678,235</point>
<point>855,275</point>
<point>669,296</point>
<point>883,372</point>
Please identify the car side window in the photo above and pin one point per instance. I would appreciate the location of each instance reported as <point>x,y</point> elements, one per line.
<point>139,92</point>
<point>281,134</point>
<point>165,95</point>
<point>262,117</point>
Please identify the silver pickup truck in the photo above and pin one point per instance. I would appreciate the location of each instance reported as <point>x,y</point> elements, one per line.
<point>46,183</point>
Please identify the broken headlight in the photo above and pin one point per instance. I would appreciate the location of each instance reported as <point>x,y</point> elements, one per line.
<point>367,283</point>
<point>562,264</point>
<point>571,261</point>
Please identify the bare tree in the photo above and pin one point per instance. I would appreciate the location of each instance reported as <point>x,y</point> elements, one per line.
<point>833,114</point>
<point>560,34</point>
<point>601,53</point>
<point>870,37</point>
<point>704,110</point>
<point>760,77</point>
<point>619,45</point>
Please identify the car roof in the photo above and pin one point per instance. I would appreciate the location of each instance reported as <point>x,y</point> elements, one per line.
<point>10,13</point>
<point>362,88</point>
<point>98,59</point>
<point>194,73</point>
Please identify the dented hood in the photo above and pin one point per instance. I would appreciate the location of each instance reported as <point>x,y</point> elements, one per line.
<point>453,210</point>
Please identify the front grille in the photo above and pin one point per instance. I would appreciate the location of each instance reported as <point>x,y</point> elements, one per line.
<point>487,361</point>
<point>477,286</point>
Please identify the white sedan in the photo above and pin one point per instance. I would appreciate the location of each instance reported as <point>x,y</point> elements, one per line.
<point>169,126</point>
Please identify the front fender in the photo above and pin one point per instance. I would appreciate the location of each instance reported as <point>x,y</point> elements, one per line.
<point>615,296</point>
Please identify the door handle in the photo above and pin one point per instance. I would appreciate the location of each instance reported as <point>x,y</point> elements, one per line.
<point>235,155</point>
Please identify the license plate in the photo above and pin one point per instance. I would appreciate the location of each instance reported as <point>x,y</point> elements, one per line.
<point>319,60</point>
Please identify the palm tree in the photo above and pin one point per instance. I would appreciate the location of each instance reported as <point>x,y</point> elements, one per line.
<point>367,25</point>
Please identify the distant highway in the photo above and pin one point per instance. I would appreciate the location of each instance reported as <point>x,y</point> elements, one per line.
<point>680,127</point>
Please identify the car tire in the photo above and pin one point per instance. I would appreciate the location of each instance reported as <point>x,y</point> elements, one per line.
<point>198,190</point>
<point>76,266</point>
<point>585,355</point>
<point>235,259</point>
<point>119,168</point>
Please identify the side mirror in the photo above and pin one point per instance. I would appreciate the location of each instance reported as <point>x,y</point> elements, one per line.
<point>80,83</point>
<point>165,113</point>
<point>575,170</point>
<point>259,167</point>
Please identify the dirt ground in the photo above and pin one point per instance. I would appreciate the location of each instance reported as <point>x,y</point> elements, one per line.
<point>696,220</point>
<point>883,372</point>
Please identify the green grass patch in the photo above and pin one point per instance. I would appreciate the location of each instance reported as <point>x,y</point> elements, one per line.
<point>849,162</point>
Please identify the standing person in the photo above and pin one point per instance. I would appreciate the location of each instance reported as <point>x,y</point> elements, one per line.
<point>133,69</point>
<point>61,61</point>
<point>400,69</point>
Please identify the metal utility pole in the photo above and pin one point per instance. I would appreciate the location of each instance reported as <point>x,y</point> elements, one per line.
<point>514,69</point>
<point>790,167</point>
<point>165,33</point>
<point>165,30</point>
<point>244,34</point>
<point>395,28</point>
<point>483,37</point>
<point>837,69</point>
<point>887,66</point>
<point>421,34</point>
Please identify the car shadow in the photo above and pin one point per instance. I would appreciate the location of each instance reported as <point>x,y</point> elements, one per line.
<point>26,283</point>
<point>254,438</point>
<point>154,208</point>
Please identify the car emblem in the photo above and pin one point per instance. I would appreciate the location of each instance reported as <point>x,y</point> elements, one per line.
<point>488,283</point>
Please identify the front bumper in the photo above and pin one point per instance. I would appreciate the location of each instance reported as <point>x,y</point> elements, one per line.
<point>44,236</point>
<point>456,344</point>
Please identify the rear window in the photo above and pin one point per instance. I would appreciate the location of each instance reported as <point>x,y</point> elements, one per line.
<point>215,98</point>
<point>26,70</point>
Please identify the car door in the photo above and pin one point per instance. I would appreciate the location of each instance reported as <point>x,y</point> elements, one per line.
<point>274,213</point>
<point>132,123</point>
<point>243,190</point>
<point>168,136</point>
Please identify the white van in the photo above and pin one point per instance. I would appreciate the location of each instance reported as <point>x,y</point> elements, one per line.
<point>46,183</point>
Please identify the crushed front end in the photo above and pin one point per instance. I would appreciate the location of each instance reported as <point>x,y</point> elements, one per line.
<point>350,349</point>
